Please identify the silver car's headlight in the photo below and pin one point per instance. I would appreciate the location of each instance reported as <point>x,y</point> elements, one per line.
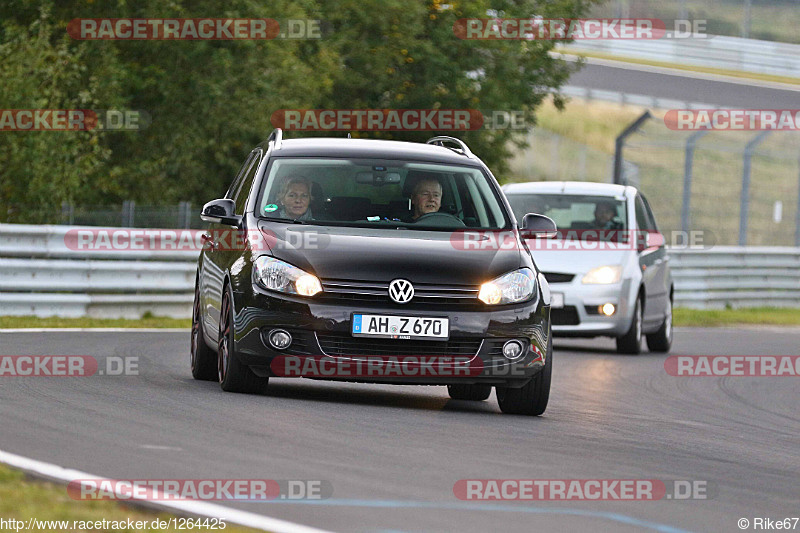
<point>277,275</point>
<point>514,287</point>
<point>604,275</point>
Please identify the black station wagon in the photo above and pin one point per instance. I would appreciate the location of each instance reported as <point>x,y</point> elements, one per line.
<point>372,261</point>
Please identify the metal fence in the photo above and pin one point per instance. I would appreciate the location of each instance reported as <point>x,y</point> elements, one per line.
<point>736,187</point>
<point>739,187</point>
<point>550,156</point>
<point>41,275</point>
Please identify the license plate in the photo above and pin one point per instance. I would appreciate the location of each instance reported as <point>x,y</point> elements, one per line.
<point>401,327</point>
<point>556,300</point>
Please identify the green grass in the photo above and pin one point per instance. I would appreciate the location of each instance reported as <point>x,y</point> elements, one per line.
<point>13,322</point>
<point>22,498</point>
<point>776,316</point>
<point>683,317</point>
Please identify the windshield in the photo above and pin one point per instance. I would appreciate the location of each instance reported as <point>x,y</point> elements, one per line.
<point>360,192</point>
<point>574,212</point>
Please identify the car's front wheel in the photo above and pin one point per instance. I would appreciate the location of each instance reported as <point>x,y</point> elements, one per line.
<point>631,342</point>
<point>475,393</point>
<point>233,375</point>
<point>532,398</point>
<point>661,340</point>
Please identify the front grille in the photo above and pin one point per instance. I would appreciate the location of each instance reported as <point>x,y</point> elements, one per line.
<point>357,292</point>
<point>566,316</point>
<point>344,344</point>
<point>558,277</point>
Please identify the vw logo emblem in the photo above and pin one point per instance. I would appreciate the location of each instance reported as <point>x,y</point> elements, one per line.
<point>401,291</point>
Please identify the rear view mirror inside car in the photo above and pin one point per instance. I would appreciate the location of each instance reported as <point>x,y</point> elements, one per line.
<point>378,178</point>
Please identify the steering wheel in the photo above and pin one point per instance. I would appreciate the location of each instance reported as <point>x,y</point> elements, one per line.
<point>438,218</point>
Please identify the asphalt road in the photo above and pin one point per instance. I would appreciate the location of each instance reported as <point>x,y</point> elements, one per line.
<point>685,86</point>
<point>393,454</point>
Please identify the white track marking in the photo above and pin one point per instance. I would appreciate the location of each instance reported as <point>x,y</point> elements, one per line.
<point>194,508</point>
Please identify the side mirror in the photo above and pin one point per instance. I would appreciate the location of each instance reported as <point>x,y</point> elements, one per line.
<point>221,212</point>
<point>537,226</point>
<point>649,239</point>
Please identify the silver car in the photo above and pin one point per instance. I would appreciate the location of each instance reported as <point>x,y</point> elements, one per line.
<point>608,267</point>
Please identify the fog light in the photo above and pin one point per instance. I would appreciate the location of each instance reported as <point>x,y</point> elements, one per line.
<point>607,309</point>
<point>512,350</point>
<point>279,339</point>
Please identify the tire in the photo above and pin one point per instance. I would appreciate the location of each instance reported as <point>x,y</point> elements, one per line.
<point>531,399</point>
<point>475,393</point>
<point>661,340</point>
<point>232,374</point>
<point>203,358</point>
<point>631,342</point>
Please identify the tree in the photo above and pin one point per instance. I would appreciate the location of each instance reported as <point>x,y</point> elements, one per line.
<point>210,101</point>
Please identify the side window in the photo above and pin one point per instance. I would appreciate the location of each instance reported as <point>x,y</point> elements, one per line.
<point>651,219</point>
<point>237,182</point>
<point>642,222</point>
<point>240,195</point>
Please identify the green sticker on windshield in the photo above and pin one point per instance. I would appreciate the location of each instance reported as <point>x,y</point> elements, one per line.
<point>269,208</point>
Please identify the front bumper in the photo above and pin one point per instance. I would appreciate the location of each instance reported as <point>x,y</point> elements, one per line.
<point>323,331</point>
<point>579,316</point>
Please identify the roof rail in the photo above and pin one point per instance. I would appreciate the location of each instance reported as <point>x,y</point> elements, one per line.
<point>441,139</point>
<point>277,136</point>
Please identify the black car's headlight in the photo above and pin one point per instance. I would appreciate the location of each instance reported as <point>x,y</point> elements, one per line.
<point>514,287</point>
<point>277,275</point>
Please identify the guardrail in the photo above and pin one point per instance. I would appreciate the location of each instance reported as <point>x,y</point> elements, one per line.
<point>736,276</point>
<point>40,275</point>
<point>729,53</point>
<point>617,97</point>
<point>43,273</point>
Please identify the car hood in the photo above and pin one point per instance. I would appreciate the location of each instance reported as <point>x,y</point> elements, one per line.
<point>381,255</point>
